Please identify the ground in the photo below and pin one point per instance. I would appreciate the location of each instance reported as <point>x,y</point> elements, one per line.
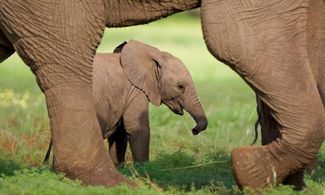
<point>179,162</point>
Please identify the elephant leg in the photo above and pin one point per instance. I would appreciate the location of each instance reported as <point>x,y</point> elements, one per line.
<point>270,131</point>
<point>316,51</point>
<point>136,124</point>
<point>78,148</point>
<point>6,48</point>
<point>296,180</point>
<point>60,50</point>
<point>316,43</point>
<point>264,42</point>
<point>301,125</point>
<point>117,146</point>
<point>269,128</point>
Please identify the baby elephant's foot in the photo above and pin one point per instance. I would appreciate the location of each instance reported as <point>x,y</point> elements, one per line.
<point>296,180</point>
<point>254,167</point>
<point>118,164</point>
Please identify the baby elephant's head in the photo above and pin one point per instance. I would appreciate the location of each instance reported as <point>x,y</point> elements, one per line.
<point>164,79</point>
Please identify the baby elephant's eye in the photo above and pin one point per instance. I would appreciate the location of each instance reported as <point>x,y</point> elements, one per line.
<point>181,87</point>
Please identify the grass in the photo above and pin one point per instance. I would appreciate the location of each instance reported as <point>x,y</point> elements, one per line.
<point>180,162</point>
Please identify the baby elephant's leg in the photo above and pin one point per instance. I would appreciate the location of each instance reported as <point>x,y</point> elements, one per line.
<point>6,48</point>
<point>136,124</point>
<point>117,146</point>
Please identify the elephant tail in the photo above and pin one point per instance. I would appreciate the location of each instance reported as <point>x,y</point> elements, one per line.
<point>48,152</point>
<point>257,122</point>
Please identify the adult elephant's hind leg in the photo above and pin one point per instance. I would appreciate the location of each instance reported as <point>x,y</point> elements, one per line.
<point>264,42</point>
<point>270,131</point>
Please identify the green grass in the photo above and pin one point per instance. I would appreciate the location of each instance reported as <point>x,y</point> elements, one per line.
<point>228,102</point>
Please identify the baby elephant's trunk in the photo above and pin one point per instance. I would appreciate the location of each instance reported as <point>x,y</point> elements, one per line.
<point>195,109</point>
<point>201,123</point>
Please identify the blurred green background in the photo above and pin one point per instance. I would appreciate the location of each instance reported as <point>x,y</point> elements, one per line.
<point>229,104</point>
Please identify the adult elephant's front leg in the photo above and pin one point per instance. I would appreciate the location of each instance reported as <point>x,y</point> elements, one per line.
<point>264,42</point>
<point>59,48</point>
<point>78,147</point>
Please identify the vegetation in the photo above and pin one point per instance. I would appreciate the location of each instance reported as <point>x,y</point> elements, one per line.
<point>180,162</point>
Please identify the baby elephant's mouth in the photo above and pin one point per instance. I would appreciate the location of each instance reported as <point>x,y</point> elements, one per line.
<point>175,106</point>
<point>179,112</point>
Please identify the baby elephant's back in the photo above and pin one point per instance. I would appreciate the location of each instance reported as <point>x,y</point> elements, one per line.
<point>109,89</point>
<point>107,68</point>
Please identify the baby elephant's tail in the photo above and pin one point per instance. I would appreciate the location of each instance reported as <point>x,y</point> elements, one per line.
<point>48,152</point>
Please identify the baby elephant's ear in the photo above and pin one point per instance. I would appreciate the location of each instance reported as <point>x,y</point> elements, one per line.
<point>119,48</point>
<point>141,69</point>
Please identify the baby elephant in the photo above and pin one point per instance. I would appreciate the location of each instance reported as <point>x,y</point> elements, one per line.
<point>125,82</point>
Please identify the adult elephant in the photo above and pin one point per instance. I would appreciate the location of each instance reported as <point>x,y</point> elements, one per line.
<point>264,41</point>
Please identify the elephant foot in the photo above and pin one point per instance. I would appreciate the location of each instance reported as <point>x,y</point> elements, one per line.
<point>122,180</point>
<point>254,167</point>
<point>114,179</point>
<point>311,168</point>
<point>119,164</point>
<point>130,184</point>
<point>296,180</point>
<point>104,174</point>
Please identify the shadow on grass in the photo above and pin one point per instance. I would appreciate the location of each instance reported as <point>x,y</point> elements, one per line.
<point>318,174</point>
<point>180,170</point>
<point>8,167</point>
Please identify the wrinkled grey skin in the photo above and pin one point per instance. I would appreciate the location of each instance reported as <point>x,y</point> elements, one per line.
<point>316,50</point>
<point>264,41</point>
<point>122,101</point>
